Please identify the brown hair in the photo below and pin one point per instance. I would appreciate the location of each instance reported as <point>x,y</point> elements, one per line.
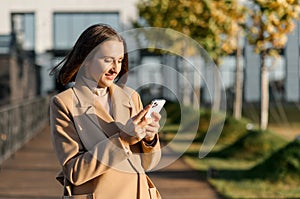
<point>87,41</point>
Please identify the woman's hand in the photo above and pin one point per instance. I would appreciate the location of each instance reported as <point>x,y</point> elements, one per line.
<point>137,127</point>
<point>153,127</point>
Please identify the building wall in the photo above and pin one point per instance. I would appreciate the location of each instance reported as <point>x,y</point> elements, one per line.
<point>44,10</point>
<point>292,83</point>
<point>44,14</point>
<point>4,79</point>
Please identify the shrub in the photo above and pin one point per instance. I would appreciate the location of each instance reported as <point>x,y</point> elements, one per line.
<point>254,144</point>
<point>233,129</point>
<point>283,165</point>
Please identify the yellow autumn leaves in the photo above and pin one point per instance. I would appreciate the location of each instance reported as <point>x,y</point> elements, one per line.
<point>216,23</point>
<point>272,20</point>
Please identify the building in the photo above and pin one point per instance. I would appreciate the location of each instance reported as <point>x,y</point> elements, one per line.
<point>19,75</point>
<point>50,28</point>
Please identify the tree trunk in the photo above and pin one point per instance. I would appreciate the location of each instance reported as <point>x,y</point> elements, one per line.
<point>217,94</point>
<point>264,94</point>
<point>239,76</point>
<point>197,86</point>
<point>186,98</point>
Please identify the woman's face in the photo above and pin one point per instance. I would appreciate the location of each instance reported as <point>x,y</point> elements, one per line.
<point>105,62</point>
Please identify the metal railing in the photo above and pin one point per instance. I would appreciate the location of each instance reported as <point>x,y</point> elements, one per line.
<point>20,122</point>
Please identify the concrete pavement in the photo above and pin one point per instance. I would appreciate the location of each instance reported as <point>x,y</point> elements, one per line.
<point>30,173</point>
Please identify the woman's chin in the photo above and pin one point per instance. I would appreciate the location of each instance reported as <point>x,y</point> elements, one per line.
<point>106,83</point>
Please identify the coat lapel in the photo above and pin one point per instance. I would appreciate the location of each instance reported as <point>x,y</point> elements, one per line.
<point>92,120</point>
<point>121,103</point>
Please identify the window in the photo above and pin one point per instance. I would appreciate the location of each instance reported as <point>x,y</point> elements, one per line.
<point>23,25</point>
<point>68,26</point>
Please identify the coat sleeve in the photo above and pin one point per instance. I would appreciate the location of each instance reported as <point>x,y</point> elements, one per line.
<point>80,165</point>
<point>150,154</point>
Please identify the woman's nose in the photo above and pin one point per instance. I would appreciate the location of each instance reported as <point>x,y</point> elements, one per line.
<point>114,64</point>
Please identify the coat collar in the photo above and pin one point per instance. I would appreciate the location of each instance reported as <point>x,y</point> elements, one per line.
<point>90,117</point>
<point>88,104</point>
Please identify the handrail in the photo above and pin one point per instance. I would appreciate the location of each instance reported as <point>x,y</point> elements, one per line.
<point>20,122</point>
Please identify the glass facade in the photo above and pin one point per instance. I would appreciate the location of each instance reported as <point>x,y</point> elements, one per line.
<point>68,26</point>
<point>23,25</point>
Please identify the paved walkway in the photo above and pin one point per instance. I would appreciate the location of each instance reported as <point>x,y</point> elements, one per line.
<point>30,173</point>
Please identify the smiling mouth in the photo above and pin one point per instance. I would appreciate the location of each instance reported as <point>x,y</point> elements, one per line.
<point>111,75</point>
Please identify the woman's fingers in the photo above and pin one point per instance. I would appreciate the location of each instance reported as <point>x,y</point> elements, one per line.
<point>141,114</point>
<point>140,132</point>
<point>140,127</point>
<point>155,116</point>
<point>152,129</point>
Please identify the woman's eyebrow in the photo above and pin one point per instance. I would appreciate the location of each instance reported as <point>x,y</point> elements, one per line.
<point>112,57</point>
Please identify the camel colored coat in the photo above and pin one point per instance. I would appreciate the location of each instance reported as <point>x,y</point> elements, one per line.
<point>87,145</point>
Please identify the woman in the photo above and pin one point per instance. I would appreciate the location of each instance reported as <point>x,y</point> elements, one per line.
<point>100,135</point>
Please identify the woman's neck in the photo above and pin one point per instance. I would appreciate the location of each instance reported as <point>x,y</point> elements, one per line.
<point>101,91</point>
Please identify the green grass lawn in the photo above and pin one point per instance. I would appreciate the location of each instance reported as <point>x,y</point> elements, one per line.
<point>243,163</point>
<point>230,176</point>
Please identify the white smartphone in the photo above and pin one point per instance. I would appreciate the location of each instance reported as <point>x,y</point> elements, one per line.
<point>156,106</point>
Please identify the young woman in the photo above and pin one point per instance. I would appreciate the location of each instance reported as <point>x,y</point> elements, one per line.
<point>100,135</point>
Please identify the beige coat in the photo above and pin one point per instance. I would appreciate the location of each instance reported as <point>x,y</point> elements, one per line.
<point>87,145</point>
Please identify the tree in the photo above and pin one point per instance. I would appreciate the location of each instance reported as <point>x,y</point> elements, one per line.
<point>239,80</point>
<point>212,23</point>
<point>270,23</point>
<point>239,75</point>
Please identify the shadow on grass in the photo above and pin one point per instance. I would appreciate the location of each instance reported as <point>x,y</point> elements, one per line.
<point>225,174</point>
<point>229,174</point>
<point>256,144</point>
<point>282,165</point>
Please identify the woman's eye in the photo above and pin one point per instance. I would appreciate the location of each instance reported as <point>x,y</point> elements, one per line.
<point>120,61</point>
<point>108,60</point>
